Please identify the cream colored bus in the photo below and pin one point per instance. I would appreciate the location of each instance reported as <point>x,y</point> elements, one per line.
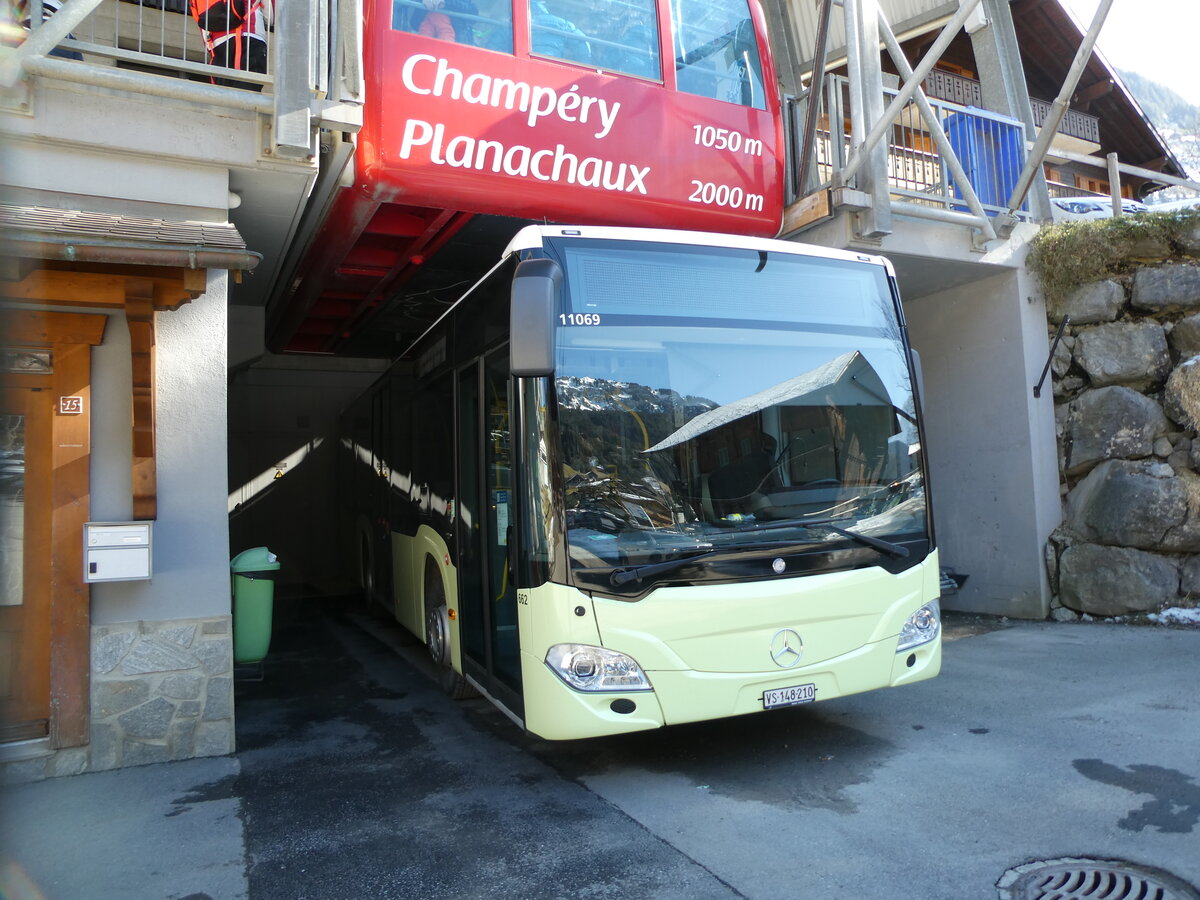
<point>634,478</point>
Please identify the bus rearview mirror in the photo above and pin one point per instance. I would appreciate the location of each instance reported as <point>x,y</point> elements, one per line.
<point>535,291</point>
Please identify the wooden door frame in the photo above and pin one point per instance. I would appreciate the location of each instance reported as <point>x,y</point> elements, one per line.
<point>69,337</point>
<point>140,291</point>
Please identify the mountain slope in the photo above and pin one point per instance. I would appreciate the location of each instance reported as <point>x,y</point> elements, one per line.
<point>1175,119</point>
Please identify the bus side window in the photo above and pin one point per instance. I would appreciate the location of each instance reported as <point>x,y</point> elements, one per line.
<point>482,23</point>
<point>716,51</point>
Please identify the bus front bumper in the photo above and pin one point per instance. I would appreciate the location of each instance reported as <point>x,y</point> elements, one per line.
<point>681,696</point>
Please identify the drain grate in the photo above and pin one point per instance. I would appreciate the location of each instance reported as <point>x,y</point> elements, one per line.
<point>1091,879</point>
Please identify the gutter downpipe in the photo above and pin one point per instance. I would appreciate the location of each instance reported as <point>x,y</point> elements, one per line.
<point>1058,109</point>
<point>910,87</point>
<point>949,157</point>
<point>182,256</point>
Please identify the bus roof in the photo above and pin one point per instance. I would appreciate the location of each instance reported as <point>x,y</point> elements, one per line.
<point>532,236</point>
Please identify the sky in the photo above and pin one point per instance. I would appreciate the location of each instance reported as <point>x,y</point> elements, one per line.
<point>1159,39</point>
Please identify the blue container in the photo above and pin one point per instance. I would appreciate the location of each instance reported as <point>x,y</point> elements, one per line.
<point>991,154</point>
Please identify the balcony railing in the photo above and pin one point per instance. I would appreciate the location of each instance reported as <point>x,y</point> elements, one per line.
<point>1074,124</point>
<point>320,40</point>
<point>954,88</point>
<point>157,36</point>
<point>313,69</point>
<point>967,92</point>
<point>990,147</point>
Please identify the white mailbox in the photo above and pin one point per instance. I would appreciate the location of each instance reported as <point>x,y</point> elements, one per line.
<point>116,551</point>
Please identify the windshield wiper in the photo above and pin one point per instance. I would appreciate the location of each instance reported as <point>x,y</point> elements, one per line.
<point>637,573</point>
<point>897,550</point>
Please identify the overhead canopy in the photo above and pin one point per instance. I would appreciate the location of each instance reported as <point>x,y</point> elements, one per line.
<point>76,236</point>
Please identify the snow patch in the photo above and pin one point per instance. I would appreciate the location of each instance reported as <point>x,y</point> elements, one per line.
<point>1176,616</point>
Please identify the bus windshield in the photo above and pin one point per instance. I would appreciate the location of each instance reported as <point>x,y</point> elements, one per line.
<point>713,400</point>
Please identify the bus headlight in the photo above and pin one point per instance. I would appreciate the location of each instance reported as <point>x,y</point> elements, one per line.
<point>596,669</point>
<point>922,627</point>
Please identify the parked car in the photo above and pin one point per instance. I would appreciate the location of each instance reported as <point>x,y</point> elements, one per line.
<point>1171,205</point>
<point>1067,209</point>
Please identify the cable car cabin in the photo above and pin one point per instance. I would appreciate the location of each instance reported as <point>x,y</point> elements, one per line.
<point>661,113</point>
<point>609,112</point>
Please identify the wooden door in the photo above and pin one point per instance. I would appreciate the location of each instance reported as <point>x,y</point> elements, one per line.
<point>25,557</point>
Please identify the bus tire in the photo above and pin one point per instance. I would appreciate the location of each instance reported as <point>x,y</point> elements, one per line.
<point>437,636</point>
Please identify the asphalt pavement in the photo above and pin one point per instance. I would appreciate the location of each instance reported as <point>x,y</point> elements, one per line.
<point>355,777</point>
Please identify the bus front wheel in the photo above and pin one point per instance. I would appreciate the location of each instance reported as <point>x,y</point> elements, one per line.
<point>437,637</point>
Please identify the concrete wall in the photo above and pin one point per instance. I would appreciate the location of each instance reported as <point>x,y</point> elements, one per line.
<point>191,546</point>
<point>991,444</point>
<point>161,660</point>
<point>283,420</point>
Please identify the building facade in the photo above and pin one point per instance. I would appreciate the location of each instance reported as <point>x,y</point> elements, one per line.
<point>151,217</point>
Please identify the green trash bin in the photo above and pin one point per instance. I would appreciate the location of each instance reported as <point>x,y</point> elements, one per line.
<point>253,578</point>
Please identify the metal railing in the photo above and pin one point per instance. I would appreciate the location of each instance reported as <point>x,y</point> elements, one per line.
<point>990,147</point>
<point>155,36</point>
<point>160,37</point>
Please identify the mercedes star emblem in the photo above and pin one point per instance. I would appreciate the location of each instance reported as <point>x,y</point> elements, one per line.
<point>786,648</point>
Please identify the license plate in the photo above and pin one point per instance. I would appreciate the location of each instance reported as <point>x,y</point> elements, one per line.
<point>789,696</point>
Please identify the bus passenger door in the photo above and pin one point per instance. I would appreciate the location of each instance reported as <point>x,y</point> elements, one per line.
<point>486,492</point>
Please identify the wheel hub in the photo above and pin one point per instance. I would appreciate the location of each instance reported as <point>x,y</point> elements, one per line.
<point>437,632</point>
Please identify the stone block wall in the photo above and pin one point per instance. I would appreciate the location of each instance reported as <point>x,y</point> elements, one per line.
<point>1127,408</point>
<point>161,691</point>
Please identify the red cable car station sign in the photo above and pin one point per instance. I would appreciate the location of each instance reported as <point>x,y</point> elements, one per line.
<point>455,126</point>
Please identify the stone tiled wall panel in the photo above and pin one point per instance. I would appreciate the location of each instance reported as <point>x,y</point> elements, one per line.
<point>161,691</point>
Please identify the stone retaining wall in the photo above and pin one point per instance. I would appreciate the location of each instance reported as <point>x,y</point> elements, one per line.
<point>1127,407</point>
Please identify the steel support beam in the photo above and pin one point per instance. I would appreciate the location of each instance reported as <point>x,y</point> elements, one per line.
<point>293,133</point>
<point>1058,109</point>
<point>152,85</point>
<point>938,214</point>
<point>1002,79</point>
<point>866,100</point>
<point>946,151</point>
<point>816,86</point>
<point>907,90</point>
